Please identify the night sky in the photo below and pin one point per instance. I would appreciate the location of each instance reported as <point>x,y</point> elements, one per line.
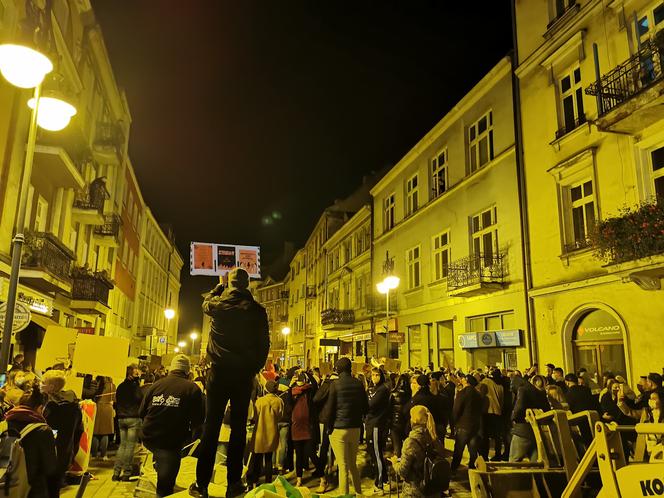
<point>243,108</point>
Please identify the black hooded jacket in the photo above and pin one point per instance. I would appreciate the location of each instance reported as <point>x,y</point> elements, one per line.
<point>239,333</point>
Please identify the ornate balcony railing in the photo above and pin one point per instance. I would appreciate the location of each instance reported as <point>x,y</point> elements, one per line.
<point>476,269</point>
<point>89,286</point>
<point>44,251</point>
<point>109,135</point>
<point>337,317</point>
<point>111,226</point>
<point>571,126</point>
<point>629,78</point>
<point>95,196</point>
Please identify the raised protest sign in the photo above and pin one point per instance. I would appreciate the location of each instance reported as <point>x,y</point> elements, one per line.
<point>218,259</point>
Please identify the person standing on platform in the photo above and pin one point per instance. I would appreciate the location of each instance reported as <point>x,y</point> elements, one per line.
<point>237,348</point>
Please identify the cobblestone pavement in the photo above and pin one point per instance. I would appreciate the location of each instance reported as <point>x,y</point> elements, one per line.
<point>101,486</point>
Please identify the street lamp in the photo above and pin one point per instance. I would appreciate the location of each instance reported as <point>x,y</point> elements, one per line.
<point>390,282</point>
<point>285,331</point>
<point>26,68</point>
<point>182,344</point>
<point>193,336</point>
<point>176,349</point>
<point>169,314</point>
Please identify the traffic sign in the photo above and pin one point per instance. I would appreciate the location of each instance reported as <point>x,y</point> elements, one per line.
<point>22,316</point>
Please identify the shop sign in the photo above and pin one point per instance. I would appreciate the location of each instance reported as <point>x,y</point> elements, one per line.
<point>508,338</point>
<point>467,341</point>
<point>330,342</point>
<point>398,337</point>
<point>22,316</point>
<point>86,330</point>
<point>598,325</point>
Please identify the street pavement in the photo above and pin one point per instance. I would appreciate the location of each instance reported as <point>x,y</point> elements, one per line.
<point>101,485</point>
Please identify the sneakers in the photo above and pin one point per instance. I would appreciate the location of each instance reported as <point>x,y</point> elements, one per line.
<point>378,491</point>
<point>197,492</point>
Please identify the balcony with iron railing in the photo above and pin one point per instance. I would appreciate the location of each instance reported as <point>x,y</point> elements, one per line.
<point>109,142</point>
<point>336,319</point>
<point>311,291</point>
<point>90,291</point>
<point>107,234</point>
<point>46,262</point>
<point>629,97</point>
<point>477,274</point>
<point>89,204</point>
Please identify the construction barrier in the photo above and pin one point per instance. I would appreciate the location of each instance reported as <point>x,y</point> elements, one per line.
<point>82,459</point>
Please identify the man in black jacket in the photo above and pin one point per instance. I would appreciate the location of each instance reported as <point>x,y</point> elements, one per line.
<point>530,395</point>
<point>237,348</point>
<point>579,398</point>
<point>321,402</point>
<point>348,404</point>
<point>419,385</point>
<point>128,398</point>
<point>171,410</point>
<point>467,414</point>
<point>376,423</point>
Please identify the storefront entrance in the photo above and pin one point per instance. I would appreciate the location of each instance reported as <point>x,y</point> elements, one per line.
<point>598,345</point>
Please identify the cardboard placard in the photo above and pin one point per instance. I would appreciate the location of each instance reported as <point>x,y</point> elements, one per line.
<point>326,368</point>
<point>99,355</point>
<point>358,367</point>
<point>56,347</point>
<point>392,365</point>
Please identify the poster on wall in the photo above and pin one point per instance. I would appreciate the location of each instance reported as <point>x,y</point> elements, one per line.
<point>218,259</point>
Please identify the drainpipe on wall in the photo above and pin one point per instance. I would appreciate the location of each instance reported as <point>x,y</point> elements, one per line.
<point>523,199</point>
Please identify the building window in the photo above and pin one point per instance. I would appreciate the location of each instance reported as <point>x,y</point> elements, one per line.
<point>412,195</point>
<point>360,286</point>
<point>581,213</point>
<point>413,260</point>
<point>441,255</point>
<point>657,157</point>
<point>571,102</point>
<point>484,232</point>
<point>562,6</point>
<point>439,173</point>
<point>388,213</point>
<point>480,142</point>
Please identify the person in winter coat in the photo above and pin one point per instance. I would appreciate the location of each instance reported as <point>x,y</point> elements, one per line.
<point>237,348</point>
<point>63,414</point>
<point>303,424</point>
<point>400,396</point>
<point>377,423</point>
<point>128,398</point>
<point>411,465</point>
<point>467,414</point>
<point>443,406</point>
<point>16,381</point>
<point>38,444</point>
<point>104,426</point>
<point>493,428</point>
<point>419,385</point>
<point>530,395</point>
<point>171,410</point>
<point>269,410</point>
<point>348,404</point>
<point>322,405</point>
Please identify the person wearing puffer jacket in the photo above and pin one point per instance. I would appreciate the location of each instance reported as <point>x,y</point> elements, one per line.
<point>410,467</point>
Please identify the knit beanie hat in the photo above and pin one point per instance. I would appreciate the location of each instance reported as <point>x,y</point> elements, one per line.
<point>238,278</point>
<point>181,362</point>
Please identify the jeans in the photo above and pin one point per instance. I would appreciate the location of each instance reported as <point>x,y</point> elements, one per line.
<point>522,447</point>
<point>124,459</point>
<point>282,451</point>
<point>99,443</point>
<point>167,464</point>
<point>224,385</point>
<point>462,439</point>
<point>259,462</point>
<point>376,439</point>
<point>345,443</point>
<point>325,456</point>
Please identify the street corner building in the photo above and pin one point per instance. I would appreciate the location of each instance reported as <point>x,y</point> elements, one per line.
<point>95,259</point>
<point>590,80</point>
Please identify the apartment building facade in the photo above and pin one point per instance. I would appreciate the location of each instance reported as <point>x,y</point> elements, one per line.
<point>297,311</point>
<point>590,79</point>
<point>274,297</point>
<point>446,222</point>
<point>73,270</point>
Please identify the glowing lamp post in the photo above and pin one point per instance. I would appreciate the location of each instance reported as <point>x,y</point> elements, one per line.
<point>284,332</point>
<point>193,336</point>
<point>25,67</point>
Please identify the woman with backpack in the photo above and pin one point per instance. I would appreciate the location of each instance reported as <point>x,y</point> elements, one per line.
<point>422,443</point>
<point>37,442</point>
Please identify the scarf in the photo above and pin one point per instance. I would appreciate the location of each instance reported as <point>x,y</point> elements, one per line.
<point>24,414</point>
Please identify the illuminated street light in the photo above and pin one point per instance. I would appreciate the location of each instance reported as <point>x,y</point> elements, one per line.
<point>23,66</point>
<point>177,350</point>
<point>389,283</point>
<point>181,344</point>
<point>285,331</point>
<point>169,313</point>
<point>193,336</point>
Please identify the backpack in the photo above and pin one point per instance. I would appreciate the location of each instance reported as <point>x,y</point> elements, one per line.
<point>436,470</point>
<point>13,470</point>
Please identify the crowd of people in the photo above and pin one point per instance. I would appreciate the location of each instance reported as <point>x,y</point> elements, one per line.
<point>259,419</point>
